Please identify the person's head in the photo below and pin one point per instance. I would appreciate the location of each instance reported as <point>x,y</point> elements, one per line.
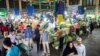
<point>55,29</point>
<point>21,23</point>
<point>38,26</point>
<point>28,26</point>
<point>79,40</point>
<point>70,44</point>
<point>7,43</point>
<point>12,32</point>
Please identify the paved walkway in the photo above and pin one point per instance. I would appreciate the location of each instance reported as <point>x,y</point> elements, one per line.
<point>93,43</point>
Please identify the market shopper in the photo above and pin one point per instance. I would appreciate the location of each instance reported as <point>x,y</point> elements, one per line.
<point>91,27</point>
<point>19,37</point>
<point>11,27</point>
<point>12,36</point>
<point>70,50</point>
<point>45,41</point>
<point>28,33</point>
<point>12,50</point>
<point>77,28</point>
<point>80,47</point>
<point>37,36</point>
<point>5,30</point>
<point>83,27</point>
<point>22,26</point>
<point>59,34</point>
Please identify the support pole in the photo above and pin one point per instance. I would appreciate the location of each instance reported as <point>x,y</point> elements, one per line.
<point>7,4</point>
<point>67,2</point>
<point>97,7</point>
<point>20,5</point>
<point>40,5</point>
<point>30,2</point>
<point>81,2</point>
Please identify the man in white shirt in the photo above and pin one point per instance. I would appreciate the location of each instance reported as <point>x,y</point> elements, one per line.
<point>80,47</point>
<point>12,36</point>
<point>45,41</point>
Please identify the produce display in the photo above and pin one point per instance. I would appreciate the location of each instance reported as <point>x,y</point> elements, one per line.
<point>45,23</point>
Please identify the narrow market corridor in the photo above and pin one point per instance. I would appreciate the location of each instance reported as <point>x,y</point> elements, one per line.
<point>92,44</point>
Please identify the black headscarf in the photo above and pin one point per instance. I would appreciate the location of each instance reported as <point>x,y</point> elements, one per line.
<point>69,50</point>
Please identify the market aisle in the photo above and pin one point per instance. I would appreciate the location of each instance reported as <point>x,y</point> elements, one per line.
<point>93,43</point>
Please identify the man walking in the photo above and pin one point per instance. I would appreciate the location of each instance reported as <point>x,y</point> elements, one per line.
<point>28,33</point>
<point>37,36</point>
<point>80,47</point>
<point>45,41</point>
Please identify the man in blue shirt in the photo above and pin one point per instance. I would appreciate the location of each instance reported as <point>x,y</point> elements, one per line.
<point>37,36</point>
<point>28,33</point>
<point>11,49</point>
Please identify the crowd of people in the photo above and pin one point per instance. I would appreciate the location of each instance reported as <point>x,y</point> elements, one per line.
<point>76,48</point>
<point>83,27</point>
<point>15,34</point>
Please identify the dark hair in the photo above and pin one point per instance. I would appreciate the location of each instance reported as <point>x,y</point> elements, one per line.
<point>7,42</point>
<point>38,25</point>
<point>18,31</point>
<point>21,22</point>
<point>68,44</point>
<point>28,26</point>
<point>55,29</point>
<point>12,30</point>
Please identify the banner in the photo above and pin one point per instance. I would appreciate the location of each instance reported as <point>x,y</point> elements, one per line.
<point>73,10</point>
<point>81,9</point>
<point>30,10</point>
<point>16,11</point>
<point>60,18</point>
<point>60,8</point>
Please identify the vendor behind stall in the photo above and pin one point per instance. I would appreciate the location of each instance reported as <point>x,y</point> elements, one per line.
<point>59,34</point>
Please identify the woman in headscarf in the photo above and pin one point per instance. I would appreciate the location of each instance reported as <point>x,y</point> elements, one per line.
<point>70,50</point>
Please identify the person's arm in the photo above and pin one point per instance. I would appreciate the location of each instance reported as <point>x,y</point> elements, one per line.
<point>64,52</point>
<point>75,51</point>
<point>48,37</point>
<point>41,38</point>
<point>84,52</point>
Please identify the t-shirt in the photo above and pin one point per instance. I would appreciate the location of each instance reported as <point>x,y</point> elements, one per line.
<point>45,36</point>
<point>80,49</point>
<point>13,51</point>
<point>37,33</point>
<point>13,38</point>
<point>4,28</point>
